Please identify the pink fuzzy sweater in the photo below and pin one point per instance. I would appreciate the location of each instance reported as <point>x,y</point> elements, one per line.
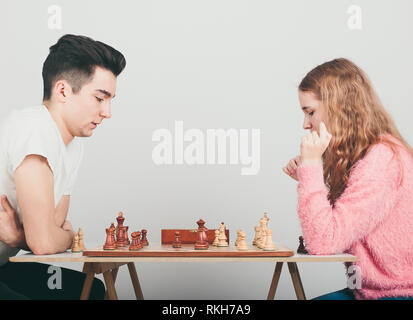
<point>372,219</point>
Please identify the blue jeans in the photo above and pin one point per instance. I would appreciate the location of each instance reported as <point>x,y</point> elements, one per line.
<point>347,294</point>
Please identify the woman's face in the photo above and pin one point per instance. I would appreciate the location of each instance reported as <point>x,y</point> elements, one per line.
<point>313,110</point>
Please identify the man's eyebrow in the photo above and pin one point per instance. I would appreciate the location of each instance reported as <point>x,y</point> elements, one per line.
<point>106,93</point>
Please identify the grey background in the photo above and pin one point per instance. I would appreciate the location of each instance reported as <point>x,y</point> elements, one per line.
<point>213,64</point>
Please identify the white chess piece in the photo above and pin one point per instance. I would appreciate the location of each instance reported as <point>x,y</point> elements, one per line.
<point>222,238</point>
<point>242,244</point>
<point>215,243</point>
<point>269,244</point>
<point>238,236</point>
<point>263,227</point>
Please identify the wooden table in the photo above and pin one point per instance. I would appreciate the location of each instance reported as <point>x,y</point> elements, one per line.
<point>109,267</point>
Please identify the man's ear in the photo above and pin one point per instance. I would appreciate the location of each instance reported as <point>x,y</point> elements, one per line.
<point>61,90</point>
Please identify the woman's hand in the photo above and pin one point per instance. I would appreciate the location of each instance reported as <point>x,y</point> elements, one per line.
<point>291,167</point>
<point>313,146</point>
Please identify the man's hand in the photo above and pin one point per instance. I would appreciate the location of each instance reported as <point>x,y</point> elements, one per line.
<point>313,146</point>
<point>291,167</point>
<point>11,231</point>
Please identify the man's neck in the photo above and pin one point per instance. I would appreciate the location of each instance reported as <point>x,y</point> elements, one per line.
<point>54,111</point>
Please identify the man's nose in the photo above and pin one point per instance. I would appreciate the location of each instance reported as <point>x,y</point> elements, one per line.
<point>106,113</point>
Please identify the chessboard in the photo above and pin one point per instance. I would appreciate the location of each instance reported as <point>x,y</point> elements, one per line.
<point>188,250</point>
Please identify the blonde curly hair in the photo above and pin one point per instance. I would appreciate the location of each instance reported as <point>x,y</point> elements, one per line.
<point>355,117</point>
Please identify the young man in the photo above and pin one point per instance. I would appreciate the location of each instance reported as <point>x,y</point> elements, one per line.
<point>39,160</point>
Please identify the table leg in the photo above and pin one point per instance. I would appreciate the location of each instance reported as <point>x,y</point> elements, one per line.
<point>295,276</point>
<point>114,275</point>
<point>87,285</point>
<point>110,285</point>
<point>274,282</point>
<point>135,281</point>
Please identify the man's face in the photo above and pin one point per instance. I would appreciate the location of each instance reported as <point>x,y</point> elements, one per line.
<point>86,109</point>
<point>313,110</point>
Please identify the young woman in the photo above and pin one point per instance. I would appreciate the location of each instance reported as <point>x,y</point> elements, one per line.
<point>355,174</point>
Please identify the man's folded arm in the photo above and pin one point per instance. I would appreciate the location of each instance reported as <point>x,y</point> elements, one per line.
<point>35,197</point>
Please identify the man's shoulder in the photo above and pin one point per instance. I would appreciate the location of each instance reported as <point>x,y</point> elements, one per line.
<point>28,121</point>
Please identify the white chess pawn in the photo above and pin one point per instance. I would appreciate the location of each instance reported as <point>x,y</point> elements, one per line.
<point>242,244</point>
<point>216,240</point>
<point>269,244</point>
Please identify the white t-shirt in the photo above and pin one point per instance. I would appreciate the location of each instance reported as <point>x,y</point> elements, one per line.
<point>33,131</point>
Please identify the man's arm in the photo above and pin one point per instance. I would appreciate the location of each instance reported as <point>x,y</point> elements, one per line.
<point>61,210</point>
<point>35,197</point>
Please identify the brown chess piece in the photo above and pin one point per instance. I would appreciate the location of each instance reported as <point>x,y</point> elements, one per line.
<point>144,239</point>
<point>301,248</point>
<point>177,243</point>
<point>127,241</point>
<point>123,240</point>
<point>110,239</point>
<point>112,227</point>
<point>202,243</point>
<point>140,245</point>
<point>135,245</point>
<point>120,219</point>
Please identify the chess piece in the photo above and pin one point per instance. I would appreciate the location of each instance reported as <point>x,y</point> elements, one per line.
<point>136,244</point>
<point>177,243</point>
<point>301,248</point>
<point>76,247</point>
<point>222,238</point>
<point>144,239</point>
<point>257,235</point>
<point>202,242</point>
<point>113,229</point>
<point>269,244</point>
<point>238,236</point>
<point>263,227</point>
<point>123,237</point>
<point>242,244</point>
<point>215,243</point>
<point>81,243</point>
<point>110,238</point>
<point>120,219</point>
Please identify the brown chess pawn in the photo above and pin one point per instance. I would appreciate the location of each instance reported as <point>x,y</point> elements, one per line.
<point>177,243</point>
<point>144,239</point>
<point>301,248</point>
<point>110,239</point>
<point>202,242</point>
<point>135,245</point>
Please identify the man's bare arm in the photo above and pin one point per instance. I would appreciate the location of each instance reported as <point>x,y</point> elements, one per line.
<point>35,197</point>
<point>61,210</point>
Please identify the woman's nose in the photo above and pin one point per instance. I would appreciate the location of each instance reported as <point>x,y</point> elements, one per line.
<point>307,124</point>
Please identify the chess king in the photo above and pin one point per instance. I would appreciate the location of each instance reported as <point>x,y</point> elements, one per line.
<point>40,154</point>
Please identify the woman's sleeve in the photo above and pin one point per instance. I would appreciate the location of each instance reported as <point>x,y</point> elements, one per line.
<point>366,202</point>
